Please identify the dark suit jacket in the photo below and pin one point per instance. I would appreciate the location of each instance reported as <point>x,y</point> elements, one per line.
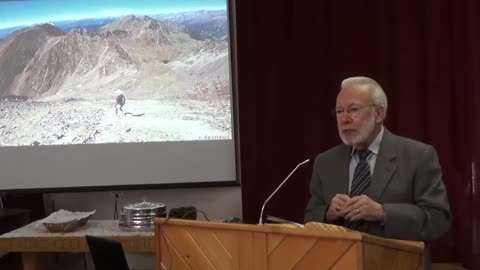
<point>407,180</point>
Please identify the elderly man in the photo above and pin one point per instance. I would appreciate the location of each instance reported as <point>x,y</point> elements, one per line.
<point>377,182</point>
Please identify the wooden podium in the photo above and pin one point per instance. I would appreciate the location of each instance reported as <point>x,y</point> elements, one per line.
<point>200,245</point>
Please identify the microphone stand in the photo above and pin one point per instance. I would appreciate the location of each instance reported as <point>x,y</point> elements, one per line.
<point>260,221</point>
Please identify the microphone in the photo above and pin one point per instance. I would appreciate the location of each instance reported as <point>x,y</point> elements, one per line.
<point>260,221</point>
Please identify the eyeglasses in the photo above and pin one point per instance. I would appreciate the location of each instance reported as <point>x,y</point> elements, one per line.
<point>351,111</point>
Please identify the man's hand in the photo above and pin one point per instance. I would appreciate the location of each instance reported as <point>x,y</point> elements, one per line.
<point>337,205</point>
<point>363,208</point>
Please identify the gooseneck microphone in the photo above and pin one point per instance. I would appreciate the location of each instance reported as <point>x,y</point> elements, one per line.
<point>260,221</point>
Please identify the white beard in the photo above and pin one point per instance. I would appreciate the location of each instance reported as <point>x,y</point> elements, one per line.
<point>363,134</point>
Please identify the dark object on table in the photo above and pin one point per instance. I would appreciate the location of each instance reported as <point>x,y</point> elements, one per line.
<point>188,212</point>
<point>232,220</point>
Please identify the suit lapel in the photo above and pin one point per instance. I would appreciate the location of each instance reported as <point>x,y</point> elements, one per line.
<point>385,166</point>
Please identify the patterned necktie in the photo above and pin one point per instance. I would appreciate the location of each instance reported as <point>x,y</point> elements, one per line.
<point>361,177</point>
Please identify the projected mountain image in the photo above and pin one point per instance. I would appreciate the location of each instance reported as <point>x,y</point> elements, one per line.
<point>59,82</point>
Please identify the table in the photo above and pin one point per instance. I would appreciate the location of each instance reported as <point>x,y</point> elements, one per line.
<point>37,244</point>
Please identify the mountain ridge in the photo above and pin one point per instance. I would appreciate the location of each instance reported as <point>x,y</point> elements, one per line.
<point>142,54</point>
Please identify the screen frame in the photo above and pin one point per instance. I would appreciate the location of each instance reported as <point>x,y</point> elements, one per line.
<point>231,21</point>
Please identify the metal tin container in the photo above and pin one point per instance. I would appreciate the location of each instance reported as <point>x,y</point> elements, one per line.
<point>140,216</point>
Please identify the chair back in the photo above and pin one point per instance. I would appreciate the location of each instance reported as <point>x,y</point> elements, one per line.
<point>106,254</point>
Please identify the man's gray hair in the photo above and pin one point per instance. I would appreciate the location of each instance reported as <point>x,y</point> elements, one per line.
<point>378,95</point>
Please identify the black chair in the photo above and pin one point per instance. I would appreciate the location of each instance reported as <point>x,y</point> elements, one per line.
<point>107,254</point>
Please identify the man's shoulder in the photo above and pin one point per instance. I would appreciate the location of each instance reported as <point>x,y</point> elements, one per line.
<point>336,151</point>
<point>408,149</point>
<point>407,143</point>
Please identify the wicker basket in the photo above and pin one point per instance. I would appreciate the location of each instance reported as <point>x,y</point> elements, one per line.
<point>67,226</point>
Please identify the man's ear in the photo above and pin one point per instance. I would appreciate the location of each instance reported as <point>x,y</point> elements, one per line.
<point>380,114</point>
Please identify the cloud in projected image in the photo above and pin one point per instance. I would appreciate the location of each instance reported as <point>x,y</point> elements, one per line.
<point>60,79</point>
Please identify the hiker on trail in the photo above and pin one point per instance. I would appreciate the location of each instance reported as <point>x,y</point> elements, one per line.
<point>119,101</point>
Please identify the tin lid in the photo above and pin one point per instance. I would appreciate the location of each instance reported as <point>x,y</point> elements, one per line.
<point>144,206</point>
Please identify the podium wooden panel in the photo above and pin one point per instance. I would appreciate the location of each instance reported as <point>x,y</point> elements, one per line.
<point>200,245</point>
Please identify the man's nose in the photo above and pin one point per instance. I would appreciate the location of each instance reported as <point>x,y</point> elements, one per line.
<point>344,118</point>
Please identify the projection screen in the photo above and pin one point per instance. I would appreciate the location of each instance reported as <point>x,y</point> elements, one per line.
<point>116,94</point>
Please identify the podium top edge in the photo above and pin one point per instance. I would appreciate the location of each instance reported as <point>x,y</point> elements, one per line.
<point>312,229</point>
<point>275,228</point>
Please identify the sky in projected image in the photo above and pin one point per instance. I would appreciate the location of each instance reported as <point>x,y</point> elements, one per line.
<point>64,64</point>
<point>24,13</point>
